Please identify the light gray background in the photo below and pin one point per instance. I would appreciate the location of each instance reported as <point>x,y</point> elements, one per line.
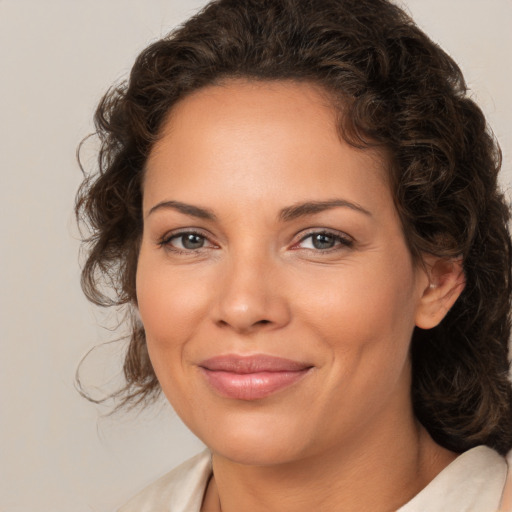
<point>56,59</point>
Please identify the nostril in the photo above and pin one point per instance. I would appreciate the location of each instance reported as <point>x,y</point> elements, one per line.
<point>224,323</point>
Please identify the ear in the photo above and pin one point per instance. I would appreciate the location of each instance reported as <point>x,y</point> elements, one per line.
<point>445,284</point>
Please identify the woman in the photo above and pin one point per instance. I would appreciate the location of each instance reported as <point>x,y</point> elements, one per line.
<point>300,204</point>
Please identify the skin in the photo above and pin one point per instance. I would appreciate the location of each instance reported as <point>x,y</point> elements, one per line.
<point>345,433</point>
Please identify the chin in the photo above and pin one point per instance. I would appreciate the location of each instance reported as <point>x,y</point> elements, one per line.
<point>254,453</point>
<point>256,443</point>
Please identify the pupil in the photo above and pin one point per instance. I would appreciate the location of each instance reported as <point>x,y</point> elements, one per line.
<point>192,241</point>
<point>323,241</point>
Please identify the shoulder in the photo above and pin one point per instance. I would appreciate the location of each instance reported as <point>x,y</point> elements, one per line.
<point>180,490</point>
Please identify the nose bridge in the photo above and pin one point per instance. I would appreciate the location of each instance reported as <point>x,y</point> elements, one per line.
<point>249,297</point>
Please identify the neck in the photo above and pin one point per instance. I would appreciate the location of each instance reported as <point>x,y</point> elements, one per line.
<point>377,472</point>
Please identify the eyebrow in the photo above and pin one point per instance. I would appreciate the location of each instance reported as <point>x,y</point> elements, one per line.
<point>310,208</point>
<point>286,214</point>
<point>187,209</point>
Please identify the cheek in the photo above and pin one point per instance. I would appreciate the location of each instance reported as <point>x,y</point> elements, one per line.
<point>167,301</point>
<point>368,299</point>
<point>365,319</point>
<point>171,306</point>
<point>365,322</point>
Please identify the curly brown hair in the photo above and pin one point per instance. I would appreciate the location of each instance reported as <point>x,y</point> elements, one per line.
<point>393,88</point>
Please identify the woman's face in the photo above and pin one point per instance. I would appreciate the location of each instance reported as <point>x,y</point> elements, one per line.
<point>274,283</point>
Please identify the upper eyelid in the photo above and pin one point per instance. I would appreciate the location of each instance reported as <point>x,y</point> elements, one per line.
<point>312,231</point>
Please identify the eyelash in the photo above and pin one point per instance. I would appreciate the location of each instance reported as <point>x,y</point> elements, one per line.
<point>341,241</point>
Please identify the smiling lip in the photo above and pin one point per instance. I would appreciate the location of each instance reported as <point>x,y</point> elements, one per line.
<point>251,377</point>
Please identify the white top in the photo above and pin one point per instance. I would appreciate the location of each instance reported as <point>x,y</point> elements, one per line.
<point>473,482</point>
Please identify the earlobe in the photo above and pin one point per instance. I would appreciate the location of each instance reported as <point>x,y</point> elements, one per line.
<point>446,282</point>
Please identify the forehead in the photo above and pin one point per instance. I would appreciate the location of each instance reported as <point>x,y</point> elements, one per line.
<point>264,110</point>
<point>256,138</point>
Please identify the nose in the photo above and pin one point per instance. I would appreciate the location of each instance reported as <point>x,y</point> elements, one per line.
<point>251,297</point>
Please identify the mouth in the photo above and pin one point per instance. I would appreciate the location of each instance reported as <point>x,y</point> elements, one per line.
<point>251,377</point>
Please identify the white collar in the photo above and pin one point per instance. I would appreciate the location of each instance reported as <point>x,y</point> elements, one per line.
<point>473,482</point>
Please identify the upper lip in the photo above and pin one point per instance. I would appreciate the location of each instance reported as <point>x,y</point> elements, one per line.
<point>252,364</point>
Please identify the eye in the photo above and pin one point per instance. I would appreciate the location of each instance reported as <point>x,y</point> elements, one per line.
<point>189,241</point>
<point>185,241</point>
<point>324,240</point>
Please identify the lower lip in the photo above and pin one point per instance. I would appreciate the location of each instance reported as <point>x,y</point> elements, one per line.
<point>251,386</point>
